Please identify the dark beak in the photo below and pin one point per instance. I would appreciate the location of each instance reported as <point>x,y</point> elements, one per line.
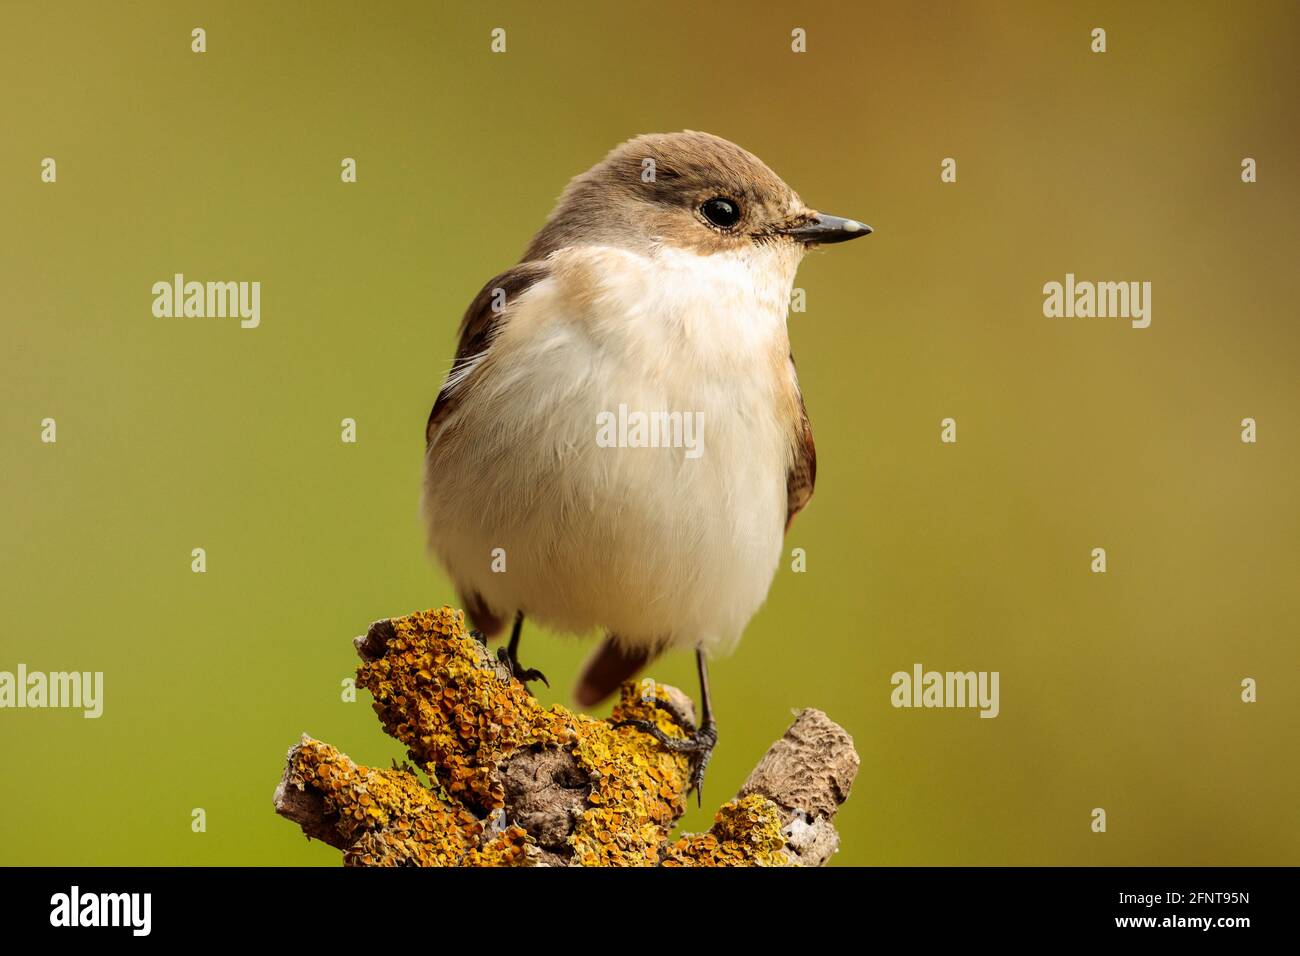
<point>824,228</point>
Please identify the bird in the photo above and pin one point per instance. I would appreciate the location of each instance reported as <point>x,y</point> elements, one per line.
<point>656,295</point>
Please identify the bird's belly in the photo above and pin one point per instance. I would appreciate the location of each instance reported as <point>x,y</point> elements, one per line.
<point>530,506</point>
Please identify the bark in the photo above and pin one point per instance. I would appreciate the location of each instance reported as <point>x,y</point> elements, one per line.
<point>506,782</point>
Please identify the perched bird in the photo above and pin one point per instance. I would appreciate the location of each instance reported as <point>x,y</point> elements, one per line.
<point>656,292</point>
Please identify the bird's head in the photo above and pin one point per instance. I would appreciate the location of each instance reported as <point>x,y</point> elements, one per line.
<point>690,191</point>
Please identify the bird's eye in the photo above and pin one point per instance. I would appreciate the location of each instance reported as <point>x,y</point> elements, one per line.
<point>723,213</point>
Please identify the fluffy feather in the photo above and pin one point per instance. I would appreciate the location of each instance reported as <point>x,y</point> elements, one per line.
<point>644,543</point>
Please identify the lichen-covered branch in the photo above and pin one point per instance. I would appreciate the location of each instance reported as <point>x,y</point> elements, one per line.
<point>511,783</point>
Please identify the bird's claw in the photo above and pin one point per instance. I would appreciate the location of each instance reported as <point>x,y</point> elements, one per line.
<point>699,741</point>
<point>518,671</point>
<point>707,737</point>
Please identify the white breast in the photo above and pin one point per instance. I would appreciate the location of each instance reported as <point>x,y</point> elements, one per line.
<point>647,543</point>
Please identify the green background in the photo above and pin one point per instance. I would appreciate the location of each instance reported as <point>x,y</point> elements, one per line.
<point>1118,691</point>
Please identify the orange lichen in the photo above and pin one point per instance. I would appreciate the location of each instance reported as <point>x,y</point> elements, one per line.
<point>391,820</point>
<point>745,832</point>
<point>461,716</point>
<point>434,692</point>
<point>637,792</point>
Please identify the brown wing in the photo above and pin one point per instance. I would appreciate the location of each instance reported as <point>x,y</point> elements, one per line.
<point>802,476</point>
<point>480,325</point>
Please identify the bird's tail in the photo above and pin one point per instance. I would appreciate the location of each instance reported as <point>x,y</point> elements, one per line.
<point>606,669</point>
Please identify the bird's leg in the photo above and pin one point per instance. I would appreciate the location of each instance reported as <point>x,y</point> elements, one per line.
<point>699,741</point>
<point>509,656</point>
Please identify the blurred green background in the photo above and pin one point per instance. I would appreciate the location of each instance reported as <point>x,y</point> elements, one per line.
<point>1118,691</point>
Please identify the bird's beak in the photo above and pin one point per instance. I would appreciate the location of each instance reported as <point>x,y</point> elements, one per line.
<point>824,228</point>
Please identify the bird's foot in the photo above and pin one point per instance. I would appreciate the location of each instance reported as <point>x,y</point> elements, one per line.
<point>518,671</point>
<point>699,741</point>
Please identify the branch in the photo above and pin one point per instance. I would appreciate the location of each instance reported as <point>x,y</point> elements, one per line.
<point>511,783</point>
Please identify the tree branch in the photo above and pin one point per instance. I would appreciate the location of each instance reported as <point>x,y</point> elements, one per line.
<point>511,783</point>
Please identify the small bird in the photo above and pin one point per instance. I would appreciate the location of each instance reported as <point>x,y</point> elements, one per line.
<point>656,292</point>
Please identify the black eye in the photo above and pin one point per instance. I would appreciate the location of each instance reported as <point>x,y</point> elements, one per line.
<point>723,213</point>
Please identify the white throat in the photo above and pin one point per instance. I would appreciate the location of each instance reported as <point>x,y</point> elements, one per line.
<point>717,314</point>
